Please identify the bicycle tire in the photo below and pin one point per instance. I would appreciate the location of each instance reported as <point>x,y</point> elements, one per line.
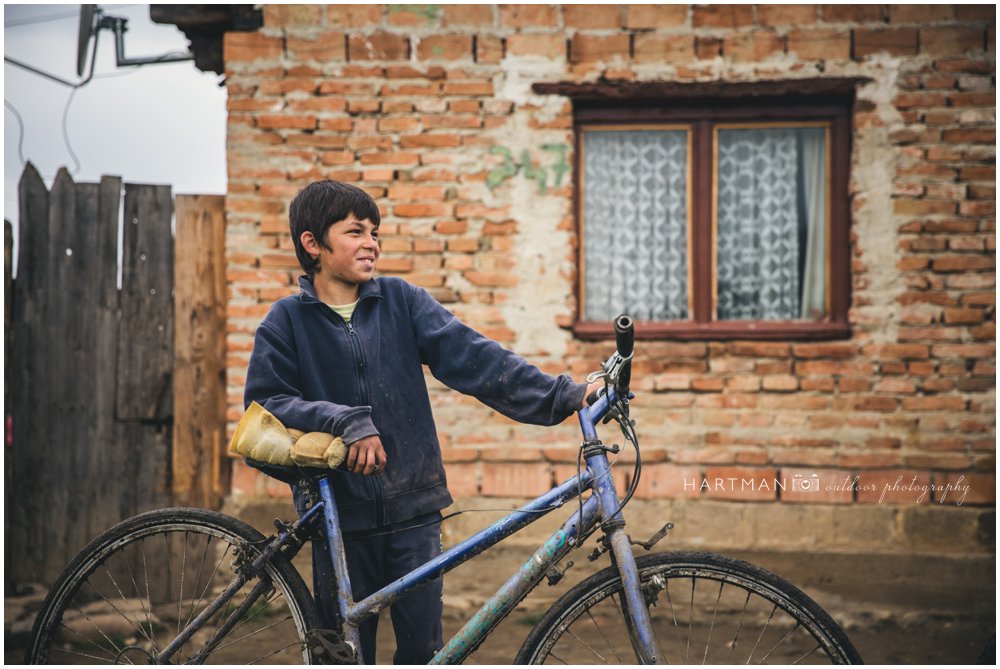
<point>759,605</point>
<point>130,591</point>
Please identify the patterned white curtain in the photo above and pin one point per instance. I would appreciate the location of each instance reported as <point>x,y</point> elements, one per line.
<point>635,224</point>
<point>770,206</point>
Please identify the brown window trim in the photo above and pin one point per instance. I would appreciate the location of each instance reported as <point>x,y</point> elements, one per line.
<point>702,106</point>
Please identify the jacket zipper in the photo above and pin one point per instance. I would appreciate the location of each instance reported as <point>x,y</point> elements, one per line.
<point>359,356</point>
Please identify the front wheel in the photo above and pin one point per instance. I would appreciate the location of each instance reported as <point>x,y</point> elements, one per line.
<point>128,595</point>
<point>705,609</point>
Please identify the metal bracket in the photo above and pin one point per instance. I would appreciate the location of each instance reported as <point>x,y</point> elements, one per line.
<point>655,539</point>
<point>554,575</point>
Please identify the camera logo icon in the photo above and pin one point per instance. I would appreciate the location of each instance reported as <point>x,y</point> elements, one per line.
<point>805,483</point>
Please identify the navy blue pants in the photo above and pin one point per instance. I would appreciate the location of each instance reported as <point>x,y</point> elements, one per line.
<point>375,559</point>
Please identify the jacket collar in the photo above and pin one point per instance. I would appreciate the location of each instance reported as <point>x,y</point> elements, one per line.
<point>368,289</point>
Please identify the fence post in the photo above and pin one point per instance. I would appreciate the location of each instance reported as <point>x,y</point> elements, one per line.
<point>199,463</point>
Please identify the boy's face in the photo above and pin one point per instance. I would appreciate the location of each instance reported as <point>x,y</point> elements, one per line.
<point>352,254</point>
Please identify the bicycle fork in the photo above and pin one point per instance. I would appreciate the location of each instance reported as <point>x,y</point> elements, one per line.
<point>638,621</point>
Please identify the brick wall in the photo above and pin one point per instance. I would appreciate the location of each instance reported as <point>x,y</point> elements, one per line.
<point>417,104</point>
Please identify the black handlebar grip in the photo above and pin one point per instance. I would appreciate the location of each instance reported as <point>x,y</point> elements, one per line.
<point>625,340</point>
<point>624,335</point>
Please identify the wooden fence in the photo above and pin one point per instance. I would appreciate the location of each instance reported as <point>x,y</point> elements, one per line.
<point>116,396</point>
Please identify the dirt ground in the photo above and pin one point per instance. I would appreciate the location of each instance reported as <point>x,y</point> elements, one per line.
<point>935,640</point>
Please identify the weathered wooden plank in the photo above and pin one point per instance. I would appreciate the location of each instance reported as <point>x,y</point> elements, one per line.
<point>58,412</point>
<point>145,335</point>
<point>106,449</point>
<point>200,467</point>
<point>23,548</point>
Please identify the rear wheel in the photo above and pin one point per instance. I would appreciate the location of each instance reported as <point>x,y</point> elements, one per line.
<point>132,591</point>
<point>705,608</point>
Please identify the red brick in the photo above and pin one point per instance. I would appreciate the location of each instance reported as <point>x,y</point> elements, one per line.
<point>468,88</point>
<point>950,41</point>
<point>247,47</point>
<point>286,121</point>
<point>721,16</point>
<point>281,16</point>
<point>707,48</point>
<point>429,140</point>
<point>492,279</point>
<point>740,483</point>
<point>412,16</point>
<point>546,46</point>
<point>963,316</point>
<point>815,486</point>
<point>390,158</point>
<point>894,41</point>
<point>421,210</point>
<point>963,263</point>
<point>820,44</point>
<point>983,12</point>
<point>963,351</point>
<point>864,460</point>
<point>476,16</point>
<point>971,135</point>
<point>377,47</point>
<point>387,264</point>
<point>895,387</point>
<point>323,47</point>
<point>502,479</point>
<point>529,16</point>
<point>354,16</point>
<point>490,49</point>
<point>655,48</point>
<point>919,13</point>
<point>463,478</point>
<point>761,349</point>
<point>786,15</point>
<point>752,46</point>
<point>644,17</point>
<point>600,17</point>
<point>936,403</point>
<point>780,383</point>
<point>444,47</point>
<point>880,404</point>
<point>903,351</point>
<point>852,13</point>
<point>893,486</point>
<point>973,99</point>
<point>593,48</point>
<point>838,350</point>
<point>665,481</point>
<point>965,488</point>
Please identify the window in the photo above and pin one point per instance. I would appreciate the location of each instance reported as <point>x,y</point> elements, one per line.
<point>714,219</point>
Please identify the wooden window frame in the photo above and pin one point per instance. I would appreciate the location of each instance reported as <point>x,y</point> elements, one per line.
<point>705,117</point>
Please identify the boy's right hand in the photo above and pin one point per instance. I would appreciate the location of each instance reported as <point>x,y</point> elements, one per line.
<point>366,456</point>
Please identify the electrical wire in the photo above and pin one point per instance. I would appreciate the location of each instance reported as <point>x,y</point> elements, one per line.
<point>20,130</point>
<point>65,132</point>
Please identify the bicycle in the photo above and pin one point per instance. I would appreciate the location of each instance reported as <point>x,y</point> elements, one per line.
<point>190,585</point>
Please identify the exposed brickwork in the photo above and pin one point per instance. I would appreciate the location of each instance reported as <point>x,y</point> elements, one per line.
<point>417,104</point>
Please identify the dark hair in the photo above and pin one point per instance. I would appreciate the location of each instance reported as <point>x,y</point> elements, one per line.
<point>321,204</point>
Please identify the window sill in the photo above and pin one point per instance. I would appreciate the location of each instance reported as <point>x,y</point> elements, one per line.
<point>719,330</point>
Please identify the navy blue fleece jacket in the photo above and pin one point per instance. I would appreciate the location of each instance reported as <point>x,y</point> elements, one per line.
<point>315,372</point>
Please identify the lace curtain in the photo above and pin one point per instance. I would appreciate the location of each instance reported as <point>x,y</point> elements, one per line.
<point>635,224</point>
<point>771,224</point>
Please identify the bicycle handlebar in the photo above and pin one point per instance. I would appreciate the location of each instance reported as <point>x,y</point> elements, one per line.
<point>625,341</point>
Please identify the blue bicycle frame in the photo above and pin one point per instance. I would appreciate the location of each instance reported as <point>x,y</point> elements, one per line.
<point>602,507</point>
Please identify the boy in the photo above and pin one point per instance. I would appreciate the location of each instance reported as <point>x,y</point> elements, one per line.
<point>346,356</point>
